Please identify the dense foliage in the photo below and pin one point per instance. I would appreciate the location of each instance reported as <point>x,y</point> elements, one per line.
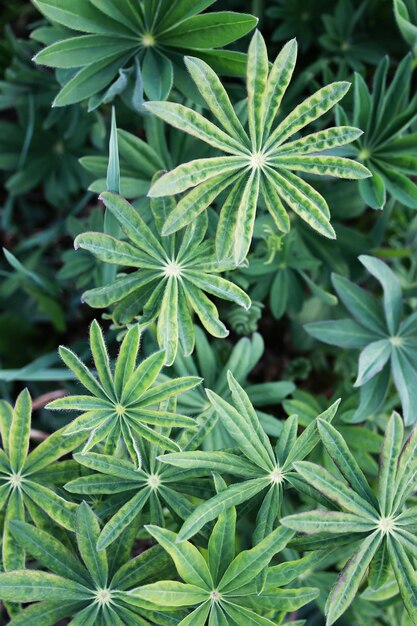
<point>224,194</point>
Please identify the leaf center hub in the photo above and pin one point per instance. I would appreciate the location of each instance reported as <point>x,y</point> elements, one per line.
<point>103,597</point>
<point>396,341</point>
<point>173,269</point>
<point>154,481</point>
<point>120,410</point>
<point>148,40</point>
<point>364,154</point>
<point>386,525</point>
<point>257,160</point>
<point>15,480</point>
<point>277,476</point>
<point>215,596</point>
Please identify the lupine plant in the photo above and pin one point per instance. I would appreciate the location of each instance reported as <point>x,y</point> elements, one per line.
<point>234,442</point>
<point>383,524</point>
<point>387,342</point>
<point>387,146</point>
<point>260,161</point>
<point>113,37</point>
<point>124,401</point>
<point>172,277</point>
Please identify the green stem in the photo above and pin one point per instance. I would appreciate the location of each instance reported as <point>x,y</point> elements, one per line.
<point>258,10</point>
<point>391,253</point>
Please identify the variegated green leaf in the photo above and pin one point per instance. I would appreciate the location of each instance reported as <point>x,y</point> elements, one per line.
<point>256,77</point>
<point>350,578</point>
<point>313,107</point>
<point>193,123</point>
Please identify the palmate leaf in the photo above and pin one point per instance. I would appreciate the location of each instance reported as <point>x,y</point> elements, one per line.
<point>101,40</point>
<point>122,404</point>
<point>386,114</point>
<point>154,486</point>
<point>83,585</point>
<point>240,359</point>
<point>405,22</point>
<point>260,159</point>
<point>217,593</point>
<point>28,480</point>
<point>379,522</point>
<point>264,470</point>
<point>175,275</point>
<point>386,341</point>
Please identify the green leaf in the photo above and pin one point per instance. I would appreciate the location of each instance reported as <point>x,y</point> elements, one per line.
<point>216,97</point>
<point>404,373</point>
<point>121,520</point>
<point>168,593</point>
<point>405,575</point>
<point>81,372</point>
<point>323,166</point>
<point>20,431</point>
<point>274,205</point>
<point>13,555</point>
<point>194,173</point>
<point>143,377</point>
<point>133,225</point>
<point>81,51</point>
<point>393,299</point>
<point>110,250</point>
<point>206,311</point>
<point>211,30</point>
<point>390,453</point>
<point>196,201</point>
<point>31,586</point>
<point>219,287</point>
<point>323,521</point>
<point>346,586</point>
<point>223,462</point>
<point>189,563</point>
<point>360,304</point>
<point>153,562</point>
<point>233,496</point>
<point>256,78</point>
<point>167,326</point>
<point>221,547</point>
<point>6,417</point>
<point>195,124</point>
<point>87,533</point>
<point>58,509</point>
<point>199,616</point>
<point>335,489</point>
<point>303,200</point>
<point>78,16</point>
<point>241,615</point>
<point>344,333</point>
<point>345,461</point>
<point>278,82</point>
<point>49,552</point>
<point>157,75</point>
<point>310,437</point>
<point>313,107</point>
<point>249,563</point>
<point>47,613</point>
<point>101,359</point>
<point>48,451</point>
<point>372,360</point>
<point>405,470</point>
<point>159,393</point>
<point>90,79</point>
<point>242,431</point>
<point>126,360</point>
<point>327,139</point>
